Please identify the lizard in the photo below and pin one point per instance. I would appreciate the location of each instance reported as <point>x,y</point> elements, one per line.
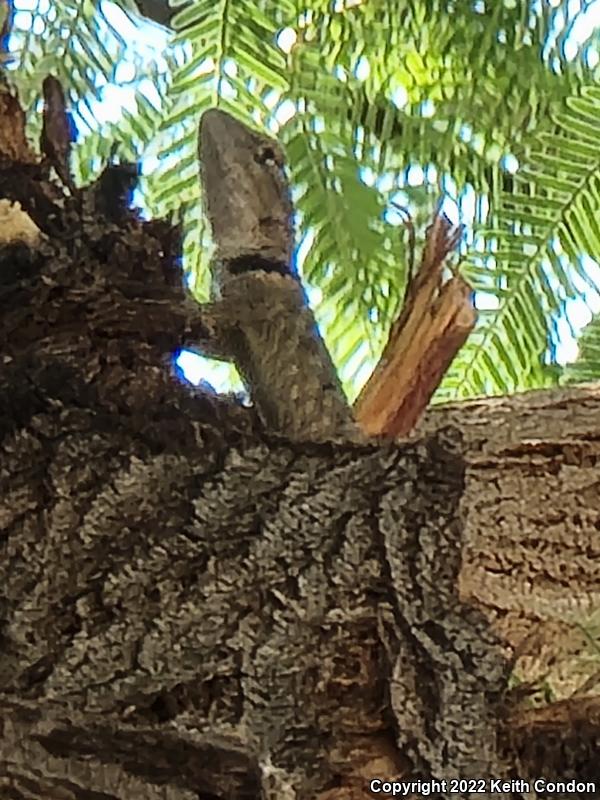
<point>270,332</point>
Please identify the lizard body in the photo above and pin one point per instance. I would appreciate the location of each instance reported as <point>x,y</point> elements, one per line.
<point>271,334</point>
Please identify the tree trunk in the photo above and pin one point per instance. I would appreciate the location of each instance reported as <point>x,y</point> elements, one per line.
<point>194,608</point>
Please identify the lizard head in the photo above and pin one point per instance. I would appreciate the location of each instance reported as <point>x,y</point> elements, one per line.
<point>246,192</point>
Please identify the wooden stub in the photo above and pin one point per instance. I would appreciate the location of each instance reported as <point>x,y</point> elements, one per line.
<point>434,324</point>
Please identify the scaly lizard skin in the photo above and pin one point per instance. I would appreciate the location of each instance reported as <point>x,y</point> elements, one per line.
<point>271,332</point>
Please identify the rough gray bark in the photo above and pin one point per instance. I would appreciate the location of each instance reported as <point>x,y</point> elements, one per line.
<point>192,607</point>
<point>532,524</point>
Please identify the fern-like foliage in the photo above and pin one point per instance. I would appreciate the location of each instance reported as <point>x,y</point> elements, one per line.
<point>531,264</point>
<point>587,366</point>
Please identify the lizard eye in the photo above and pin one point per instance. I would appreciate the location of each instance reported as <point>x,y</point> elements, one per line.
<point>266,156</point>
